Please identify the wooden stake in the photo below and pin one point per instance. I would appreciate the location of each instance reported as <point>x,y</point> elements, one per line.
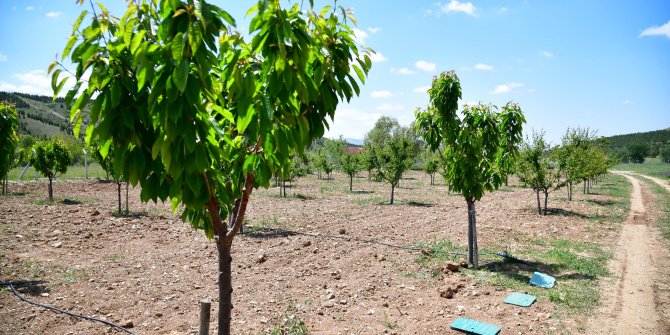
<point>205,308</point>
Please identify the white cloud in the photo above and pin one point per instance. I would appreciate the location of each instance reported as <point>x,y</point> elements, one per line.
<point>3,57</point>
<point>381,94</point>
<point>502,10</point>
<point>425,66</point>
<point>34,82</point>
<point>377,57</point>
<point>389,107</point>
<point>374,30</point>
<point>352,123</point>
<point>360,36</point>
<point>505,88</point>
<point>483,67</point>
<point>422,89</point>
<point>54,14</point>
<point>546,53</point>
<point>627,102</point>
<point>402,70</point>
<point>455,6</point>
<point>663,30</point>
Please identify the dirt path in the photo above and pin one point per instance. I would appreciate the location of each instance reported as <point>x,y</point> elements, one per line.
<point>628,298</point>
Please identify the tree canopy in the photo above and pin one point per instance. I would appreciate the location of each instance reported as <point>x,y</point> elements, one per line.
<point>199,114</point>
<point>9,123</point>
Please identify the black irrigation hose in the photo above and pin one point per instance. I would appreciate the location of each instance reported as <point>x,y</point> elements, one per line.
<point>111,324</point>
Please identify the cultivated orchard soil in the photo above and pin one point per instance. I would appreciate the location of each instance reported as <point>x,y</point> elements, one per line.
<point>340,264</point>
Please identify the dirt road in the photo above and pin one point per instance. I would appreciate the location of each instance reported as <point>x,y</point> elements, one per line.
<point>628,298</point>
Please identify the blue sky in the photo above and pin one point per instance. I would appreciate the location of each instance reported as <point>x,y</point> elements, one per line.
<point>604,65</point>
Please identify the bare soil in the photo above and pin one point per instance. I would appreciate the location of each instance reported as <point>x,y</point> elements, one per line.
<point>342,264</point>
<point>634,298</point>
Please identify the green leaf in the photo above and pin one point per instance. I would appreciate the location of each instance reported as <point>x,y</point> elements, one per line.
<point>177,46</point>
<point>60,86</point>
<point>180,75</point>
<point>77,23</point>
<point>68,46</point>
<point>244,118</point>
<point>104,148</point>
<point>137,41</point>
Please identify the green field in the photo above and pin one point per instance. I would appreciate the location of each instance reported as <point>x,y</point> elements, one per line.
<point>651,166</point>
<point>73,172</point>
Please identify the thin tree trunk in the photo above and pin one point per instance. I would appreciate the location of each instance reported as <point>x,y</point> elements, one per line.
<point>127,209</point>
<point>584,186</point>
<point>351,182</point>
<point>539,207</point>
<point>392,191</point>
<point>225,286</point>
<point>118,192</point>
<point>51,190</point>
<point>546,197</point>
<point>473,250</point>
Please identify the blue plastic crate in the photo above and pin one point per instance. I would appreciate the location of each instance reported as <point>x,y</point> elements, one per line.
<point>474,327</point>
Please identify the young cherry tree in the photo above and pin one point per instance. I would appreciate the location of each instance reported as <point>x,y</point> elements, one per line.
<point>535,169</point>
<point>197,114</point>
<point>50,159</point>
<point>350,163</point>
<point>395,157</point>
<point>476,148</point>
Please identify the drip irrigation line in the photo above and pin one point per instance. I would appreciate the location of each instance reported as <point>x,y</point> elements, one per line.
<point>58,310</point>
<point>361,240</point>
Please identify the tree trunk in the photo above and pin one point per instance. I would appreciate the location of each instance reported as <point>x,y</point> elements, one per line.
<point>118,192</point>
<point>127,210</point>
<point>51,189</point>
<point>351,182</point>
<point>584,186</point>
<point>546,197</point>
<point>473,250</point>
<point>392,191</point>
<point>225,286</point>
<point>539,207</point>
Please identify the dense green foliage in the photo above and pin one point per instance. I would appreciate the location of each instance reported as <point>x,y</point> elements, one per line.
<point>197,114</point>
<point>50,159</point>
<point>430,163</point>
<point>664,153</point>
<point>478,150</point>
<point>373,143</point>
<point>9,140</point>
<point>637,152</point>
<point>619,144</point>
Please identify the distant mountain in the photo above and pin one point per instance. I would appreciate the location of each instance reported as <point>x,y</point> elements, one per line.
<point>39,115</point>
<point>655,140</point>
<point>354,141</point>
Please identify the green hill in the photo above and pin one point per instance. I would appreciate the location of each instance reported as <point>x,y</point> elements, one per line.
<point>39,115</point>
<point>654,139</point>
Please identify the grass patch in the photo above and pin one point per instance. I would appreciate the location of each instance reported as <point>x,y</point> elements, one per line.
<point>325,189</point>
<point>614,210</point>
<point>33,268</point>
<point>663,205</point>
<point>369,201</point>
<point>651,166</point>
<point>6,229</point>
<point>576,266</point>
<point>72,275</point>
<point>290,324</point>
<point>73,172</point>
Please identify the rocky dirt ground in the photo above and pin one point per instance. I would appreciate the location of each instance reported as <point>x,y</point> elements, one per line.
<point>343,264</point>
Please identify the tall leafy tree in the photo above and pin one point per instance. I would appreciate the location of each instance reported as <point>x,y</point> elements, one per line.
<point>664,153</point>
<point>9,139</point>
<point>536,169</point>
<point>198,114</point>
<point>573,156</point>
<point>476,148</point>
<point>395,157</point>
<point>637,152</point>
<point>50,159</point>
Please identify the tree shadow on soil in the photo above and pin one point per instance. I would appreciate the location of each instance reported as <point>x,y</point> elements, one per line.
<point>361,192</point>
<point>511,267</point>
<point>30,287</point>
<point>419,204</point>
<point>601,202</point>
<point>564,212</point>
<point>67,201</point>
<point>133,215</point>
<point>268,233</point>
